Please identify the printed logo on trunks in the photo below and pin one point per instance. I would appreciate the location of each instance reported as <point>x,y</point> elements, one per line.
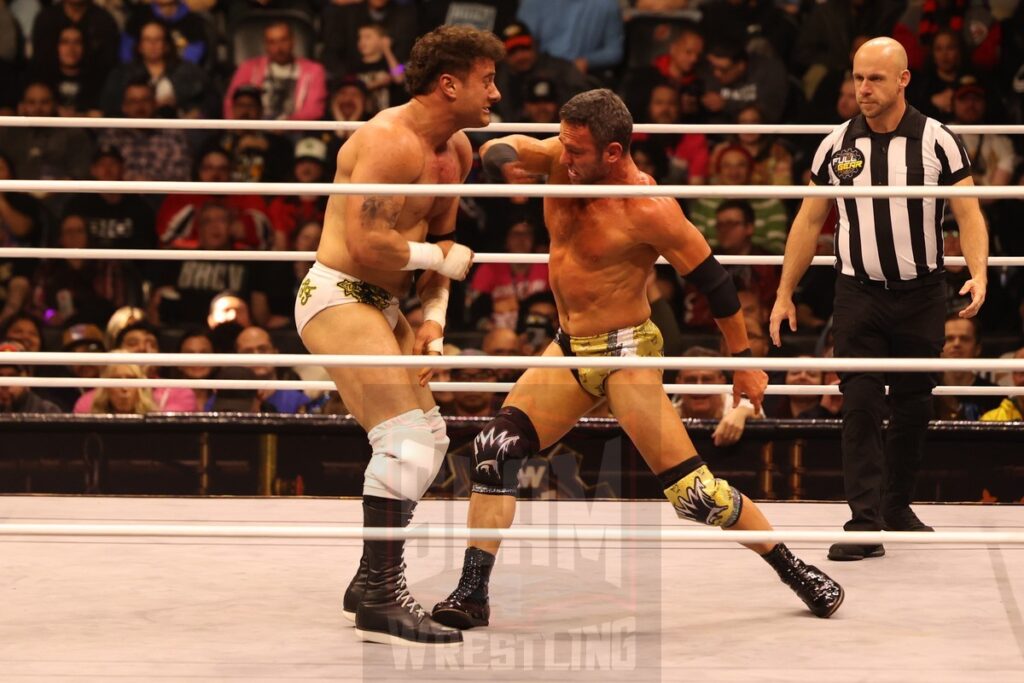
<point>848,163</point>
<point>365,293</point>
<point>306,290</point>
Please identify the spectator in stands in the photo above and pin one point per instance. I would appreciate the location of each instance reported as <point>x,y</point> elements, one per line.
<point>288,212</point>
<point>677,67</point>
<point>238,400</point>
<point>921,21</point>
<point>25,329</point>
<point>588,33</point>
<point>256,155</point>
<point>1012,408</point>
<point>541,102</point>
<point>801,406</point>
<point>122,318</point>
<point>773,161</point>
<point>115,221</point>
<point>502,341</point>
<point>176,225</point>
<point>21,220</point>
<point>276,283</point>
<point>474,403</point>
<point>685,156</point>
<point>77,338</point>
<point>734,166</point>
<point>523,64</point>
<point>188,31</point>
<point>340,31</point>
<point>197,341</point>
<point>349,101</point>
<point>102,36</point>
<point>122,400</point>
<point>538,322</point>
<point>734,229</point>
<point>504,286</point>
<point>736,81</point>
<point>719,406</point>
<point>445,400</point>
<point>12,58</point>
<point>44,153</point>
<point>228,307</point>
<point>255,339</point>
<point>292,88</point>
<point>149,154</point>
<point>760,26</point>
<point>962,343</point>
<point>379,69</point>
<point>16,399</point>
<point>181,88</point>
<point>183,292</point>
<point>931,90</point>
<point>76,84</point>
<point>141,337</point>
<point>83,289</point>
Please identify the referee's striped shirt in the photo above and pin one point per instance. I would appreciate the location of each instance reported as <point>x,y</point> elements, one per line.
<point>895,238</point>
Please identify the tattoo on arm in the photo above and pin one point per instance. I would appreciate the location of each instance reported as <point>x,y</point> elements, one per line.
<point>379,209</point>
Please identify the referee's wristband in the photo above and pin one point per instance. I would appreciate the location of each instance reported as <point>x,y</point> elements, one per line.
<point>745,353</point>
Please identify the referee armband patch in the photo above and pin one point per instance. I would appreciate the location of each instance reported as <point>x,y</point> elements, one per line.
<point>848,163</point>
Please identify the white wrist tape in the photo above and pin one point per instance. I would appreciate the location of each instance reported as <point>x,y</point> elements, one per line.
<point>435,305</point>
<point>457,263</point>
<point>436,346</point>
<point>424,256</point>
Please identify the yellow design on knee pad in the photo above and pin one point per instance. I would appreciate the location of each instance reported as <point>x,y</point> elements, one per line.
<point>701,498</point>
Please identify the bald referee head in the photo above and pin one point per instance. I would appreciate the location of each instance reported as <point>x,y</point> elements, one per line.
<point>880,77</point>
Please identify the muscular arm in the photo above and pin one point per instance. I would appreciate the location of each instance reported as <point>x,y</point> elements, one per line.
<point>974,242</point>
<point>534,157</point>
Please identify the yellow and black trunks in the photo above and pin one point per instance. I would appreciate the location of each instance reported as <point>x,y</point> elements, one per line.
<point>642,340</point>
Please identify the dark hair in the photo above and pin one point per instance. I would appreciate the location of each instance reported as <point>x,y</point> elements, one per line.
<point>140,81</point>
<point>132,327</point>
<point>604,113</point>
<point>734,52</point>
<point>975,325</point>
<point>742,204</point>
<point>170,53</point>
<point>448,50</point>
<point>192,333</point>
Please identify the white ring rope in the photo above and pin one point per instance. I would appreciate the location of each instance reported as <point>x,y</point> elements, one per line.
<point>484,257</point>
<point>491,362</point>
<point>483,387</point>
<point>502,190</point>
<point>454,533</point>
<point>268,126</point>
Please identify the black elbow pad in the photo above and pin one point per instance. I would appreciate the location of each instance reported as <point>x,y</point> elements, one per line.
<point>714,282</point>
<point>497,156</point>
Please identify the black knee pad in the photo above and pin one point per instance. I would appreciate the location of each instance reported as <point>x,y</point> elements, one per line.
<point>498,451</point>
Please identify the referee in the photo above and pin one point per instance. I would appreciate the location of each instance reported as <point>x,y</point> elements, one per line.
<point>889,290</point>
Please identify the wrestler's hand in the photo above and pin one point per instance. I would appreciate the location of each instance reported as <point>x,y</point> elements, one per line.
<point>784,309</point>
<point>749,383</point>
<point>516,174</point>
<point>977,289</point>
<point>458,259</point>
<point>428,332</point>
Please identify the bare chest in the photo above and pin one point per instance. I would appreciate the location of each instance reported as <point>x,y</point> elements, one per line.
<point>440,169</point>
<point>593,234</point>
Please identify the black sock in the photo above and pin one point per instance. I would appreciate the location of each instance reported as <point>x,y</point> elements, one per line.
<point>673,474</point>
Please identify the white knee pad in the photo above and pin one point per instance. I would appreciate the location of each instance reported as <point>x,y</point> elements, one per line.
<point>404,463</point>
<point>440,431</point>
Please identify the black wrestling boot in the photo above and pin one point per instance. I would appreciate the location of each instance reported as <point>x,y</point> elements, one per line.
<point>819,592</point>
<point>388,613</point>
<point>467,606</point>
<point>356,589</point>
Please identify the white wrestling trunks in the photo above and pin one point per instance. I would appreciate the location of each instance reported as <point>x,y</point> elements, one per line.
<point>324,287</point>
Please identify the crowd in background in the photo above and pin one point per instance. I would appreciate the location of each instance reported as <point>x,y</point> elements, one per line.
<point>672,61</point>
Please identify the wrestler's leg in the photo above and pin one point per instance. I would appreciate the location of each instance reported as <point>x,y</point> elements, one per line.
<point>638,401</point>
<point>544,404</point>
<point>404,462</point>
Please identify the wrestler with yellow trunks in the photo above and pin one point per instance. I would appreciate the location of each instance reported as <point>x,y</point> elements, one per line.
<point>348,304</point>
<point>602,251</point>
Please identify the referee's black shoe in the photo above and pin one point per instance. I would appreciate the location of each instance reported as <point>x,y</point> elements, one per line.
<point>848,552</point>
<point>903,519</point>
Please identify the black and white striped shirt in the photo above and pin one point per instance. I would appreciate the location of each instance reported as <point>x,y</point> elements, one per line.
<point>890,238</point>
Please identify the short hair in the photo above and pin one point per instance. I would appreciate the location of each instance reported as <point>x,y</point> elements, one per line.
<point>279,22</point>
<point>448,50</point>
<point>975,325</point>
<point>734,52</point>
<point>139,81</point>
<point>604,113</point>
<point>374,26</point>
<point>742,205</point>
<point>132,327</point>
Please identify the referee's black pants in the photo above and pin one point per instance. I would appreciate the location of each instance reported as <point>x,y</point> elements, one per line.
<point>871,321</point>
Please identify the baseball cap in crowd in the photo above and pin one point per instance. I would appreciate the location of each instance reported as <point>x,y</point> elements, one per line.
<point>82,337</point>
<point>516,36</point>
<point>311,148</point>
<point>541,90</point>
<point>110,151</point>
<point>969,85</point>
<point>247,91</point>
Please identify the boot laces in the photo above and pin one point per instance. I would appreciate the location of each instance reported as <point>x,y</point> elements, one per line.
<point>404,597</point>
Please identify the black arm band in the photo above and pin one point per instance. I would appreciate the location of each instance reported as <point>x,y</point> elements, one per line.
<point>714,282</point>
<point>496,157</point>
<point>434,239</point>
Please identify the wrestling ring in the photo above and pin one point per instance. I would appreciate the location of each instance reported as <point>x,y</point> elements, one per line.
<point>248,588</point>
